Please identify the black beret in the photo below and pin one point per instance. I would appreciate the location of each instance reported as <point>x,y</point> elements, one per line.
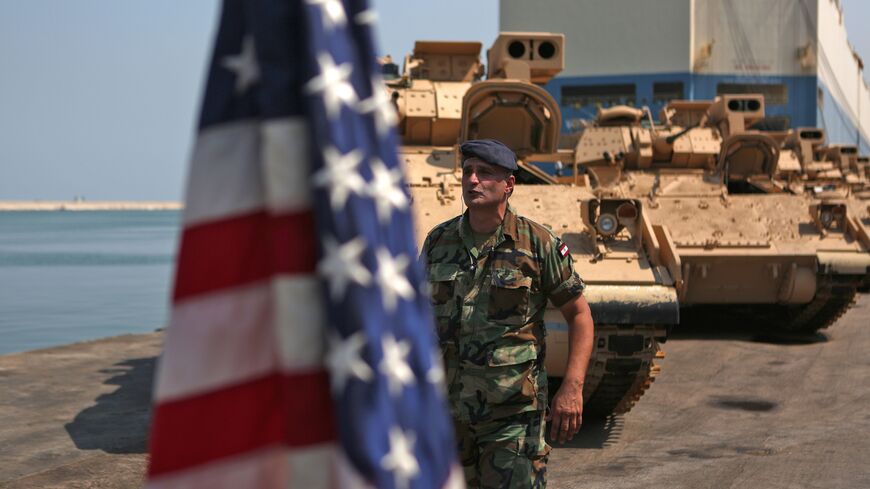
<point>490,151</point>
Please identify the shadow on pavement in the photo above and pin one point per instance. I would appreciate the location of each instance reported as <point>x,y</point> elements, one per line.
<point>118,422</point>
<point>791,339</point>
<point>752,404</point>
<point>595,433</point>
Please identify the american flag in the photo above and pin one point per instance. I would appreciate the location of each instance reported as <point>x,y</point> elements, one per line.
<point>300,350</point>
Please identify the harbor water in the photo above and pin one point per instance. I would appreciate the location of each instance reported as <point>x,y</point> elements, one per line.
<point>74,276</point>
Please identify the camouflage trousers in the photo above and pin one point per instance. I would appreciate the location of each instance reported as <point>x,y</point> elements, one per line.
<point>504,453</point>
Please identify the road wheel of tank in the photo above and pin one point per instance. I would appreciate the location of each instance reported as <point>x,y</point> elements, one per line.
<point>622,369</point>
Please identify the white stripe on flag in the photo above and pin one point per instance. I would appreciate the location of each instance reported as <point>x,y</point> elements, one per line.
<point>300,322</point>
<point>230,176</point>
<point>225,338</point>
<point>286,162</point>
<point>314,468</point>
<point>310,468</point>
<point>221,181</point>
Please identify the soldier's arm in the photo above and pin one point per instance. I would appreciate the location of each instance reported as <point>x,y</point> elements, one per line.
<point>580,337</point>
<point>565,290</point>
<point>566,413</point>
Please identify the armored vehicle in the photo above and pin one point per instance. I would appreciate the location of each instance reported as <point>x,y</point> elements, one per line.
<point>808,173</point>
<point>854,177</point>
<point>736,238</point>
<point>860,198</point>
<point>826,171</point>
<point>442,100</point>
<point>844,158</point>
<point>830,173</point>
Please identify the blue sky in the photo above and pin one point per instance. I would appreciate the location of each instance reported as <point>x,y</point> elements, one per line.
<point>98,97</point>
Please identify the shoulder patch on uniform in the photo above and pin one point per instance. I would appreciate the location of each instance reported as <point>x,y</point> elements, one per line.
<point>563,250</point>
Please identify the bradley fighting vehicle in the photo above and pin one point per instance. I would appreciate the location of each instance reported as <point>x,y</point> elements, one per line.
<point>826,171</point>
<point>829,173</point>
<point>860,196</point>
<point>844,158</point>
<point>734,237</point>
<point>854,179</point>
<point>799,167</point>
<point>442,99</point>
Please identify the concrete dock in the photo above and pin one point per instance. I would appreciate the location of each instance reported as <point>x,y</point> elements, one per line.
<point>77,416</point>
<point>731,409</point>
<point>87,205</point>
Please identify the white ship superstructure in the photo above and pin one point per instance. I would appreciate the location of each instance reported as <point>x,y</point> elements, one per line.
<point>644,53</point>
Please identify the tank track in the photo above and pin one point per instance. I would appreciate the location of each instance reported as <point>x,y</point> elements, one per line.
<point>834,297</point>
<point>622,369</point>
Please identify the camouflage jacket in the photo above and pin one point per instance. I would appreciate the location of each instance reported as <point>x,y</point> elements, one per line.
<point>489,305</point>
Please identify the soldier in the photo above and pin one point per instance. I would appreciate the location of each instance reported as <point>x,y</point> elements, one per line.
<point>491,273</point>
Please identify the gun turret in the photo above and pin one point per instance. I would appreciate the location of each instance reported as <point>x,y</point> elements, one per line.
<point>805,141</point>
<point>445,61</point>
<point>733,114</point>
<point>511,106</point>
<point>843,156</point>
<point>528,56</point>
<point>428,95</point>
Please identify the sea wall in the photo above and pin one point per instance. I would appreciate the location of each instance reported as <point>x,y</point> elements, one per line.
<point>81,205</point>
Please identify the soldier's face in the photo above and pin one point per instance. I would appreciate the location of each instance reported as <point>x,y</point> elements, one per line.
<point>485,185</point>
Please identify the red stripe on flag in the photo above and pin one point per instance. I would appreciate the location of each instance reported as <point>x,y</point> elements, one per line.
<point>244,249</point>
<point>279,409</point>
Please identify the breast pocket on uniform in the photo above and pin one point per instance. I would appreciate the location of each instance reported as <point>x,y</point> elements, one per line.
<point>509,296</point>
<point>442,279</point>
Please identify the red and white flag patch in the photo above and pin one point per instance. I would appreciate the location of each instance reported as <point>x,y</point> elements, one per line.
<point>563,250</point>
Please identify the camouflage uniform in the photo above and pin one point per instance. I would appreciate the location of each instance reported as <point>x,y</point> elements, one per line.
<point>489,306</point>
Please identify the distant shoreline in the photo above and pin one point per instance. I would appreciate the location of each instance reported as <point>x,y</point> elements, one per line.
<point>84,205</point>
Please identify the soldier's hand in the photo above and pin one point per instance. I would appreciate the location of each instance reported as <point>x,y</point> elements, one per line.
<point>566,412</point>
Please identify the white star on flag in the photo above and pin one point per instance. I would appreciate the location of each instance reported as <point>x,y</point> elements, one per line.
<point>381,107</point>
<point>435,374</point>
<point>333,84</point>
<point>400,459</point>
<point>332,12</point>
<point>386,189</point>
<point>394,365</point>
<point>391,278</point>
<point>345,361</point>
<point>340,175</point>
<point>341,265</point>
<point>244,65</point>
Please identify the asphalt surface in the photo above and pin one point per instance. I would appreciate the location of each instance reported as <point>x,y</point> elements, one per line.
<point>77,416</point>
<point>734,409</point>
<point>731,409</point>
